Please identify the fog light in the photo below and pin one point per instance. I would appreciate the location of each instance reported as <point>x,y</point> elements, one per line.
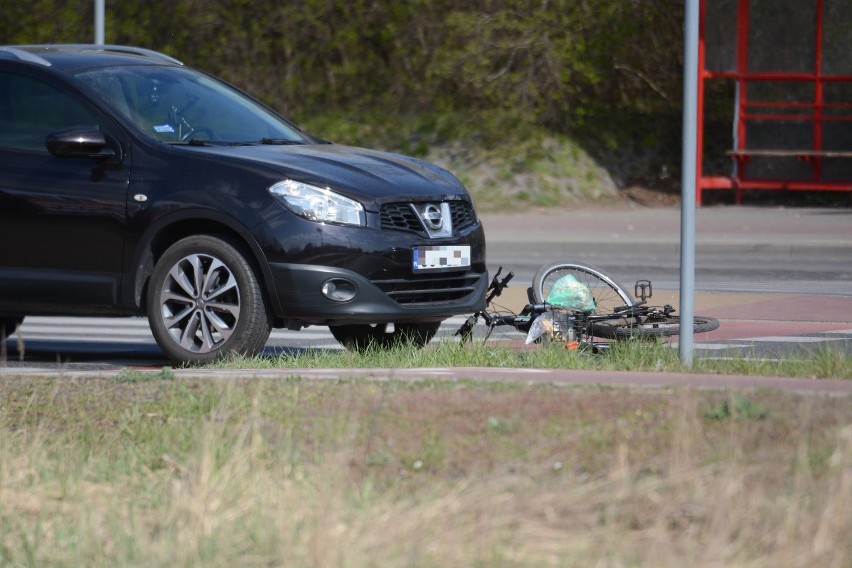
<point>339,289</point>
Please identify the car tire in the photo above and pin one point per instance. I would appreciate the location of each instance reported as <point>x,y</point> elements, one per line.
<point>8,326</point>
<point>362,337</point>
<point>204,302</point>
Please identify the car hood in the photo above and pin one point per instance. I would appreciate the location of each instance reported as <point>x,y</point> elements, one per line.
<point>369,176</point>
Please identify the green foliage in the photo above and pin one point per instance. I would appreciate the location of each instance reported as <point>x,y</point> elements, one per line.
<point>138,376</point>
<point>828,362</point>
<point>737,407</point>
<point>605,72</point>
<point>47,21</point>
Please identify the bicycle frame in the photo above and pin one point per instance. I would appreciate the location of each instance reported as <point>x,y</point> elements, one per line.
<point>574,326</point>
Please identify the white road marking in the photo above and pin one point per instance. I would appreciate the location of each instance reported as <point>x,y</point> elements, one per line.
<point>791,339</point>
<point>717,346</point>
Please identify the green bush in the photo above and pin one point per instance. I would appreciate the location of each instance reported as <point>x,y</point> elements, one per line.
<point>606,73</point>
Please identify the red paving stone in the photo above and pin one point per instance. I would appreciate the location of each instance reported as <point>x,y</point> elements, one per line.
<point>785,307</point>
<point>738,329</point>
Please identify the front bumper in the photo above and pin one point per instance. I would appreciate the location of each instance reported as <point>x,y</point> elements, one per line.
<point>301,300</point>
<point>303,255</point>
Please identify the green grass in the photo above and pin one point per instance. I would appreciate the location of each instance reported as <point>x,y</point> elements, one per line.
<point>175,472</point>
<point>622,356</point>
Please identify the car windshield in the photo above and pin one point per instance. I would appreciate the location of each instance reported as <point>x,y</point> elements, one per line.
<point>178,105</point>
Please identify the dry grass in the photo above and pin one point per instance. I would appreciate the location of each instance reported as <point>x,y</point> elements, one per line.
<point>182,473</point>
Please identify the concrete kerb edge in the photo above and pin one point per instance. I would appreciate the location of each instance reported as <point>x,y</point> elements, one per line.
<point>557,377</point>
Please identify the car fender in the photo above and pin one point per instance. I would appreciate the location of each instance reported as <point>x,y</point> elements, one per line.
<point>178,224</point>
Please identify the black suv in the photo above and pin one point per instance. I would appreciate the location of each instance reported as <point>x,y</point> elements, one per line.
<point>133,185</point>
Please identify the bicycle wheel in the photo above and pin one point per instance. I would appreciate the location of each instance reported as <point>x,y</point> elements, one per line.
<point>652,327</point>
<point>607,292</point>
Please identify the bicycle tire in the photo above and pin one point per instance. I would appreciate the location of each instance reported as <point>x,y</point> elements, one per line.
<point>608,293</point>
<point>667,326</point>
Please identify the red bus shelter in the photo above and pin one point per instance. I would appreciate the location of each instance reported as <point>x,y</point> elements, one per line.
<point>787,66</point>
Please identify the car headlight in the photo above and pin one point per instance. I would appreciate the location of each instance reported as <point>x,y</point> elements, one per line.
<point>318,204</point>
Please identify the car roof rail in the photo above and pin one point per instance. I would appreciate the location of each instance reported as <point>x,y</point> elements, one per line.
<point>24,55</point>
<point>129,49</point>
<point>21,52</point>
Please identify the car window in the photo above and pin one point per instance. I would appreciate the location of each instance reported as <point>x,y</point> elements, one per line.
<point>175,104</point>
<point>31,109</point>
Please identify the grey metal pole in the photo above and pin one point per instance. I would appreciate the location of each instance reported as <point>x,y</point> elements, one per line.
<point>688,179</point>
<point>99,22</point>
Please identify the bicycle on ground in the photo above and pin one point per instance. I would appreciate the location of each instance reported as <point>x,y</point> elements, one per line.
<point>610,313</point>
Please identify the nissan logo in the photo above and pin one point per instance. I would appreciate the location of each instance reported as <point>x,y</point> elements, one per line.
<point>432,217</point>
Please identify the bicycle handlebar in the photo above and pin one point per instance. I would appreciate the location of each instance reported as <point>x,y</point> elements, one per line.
<point>497,286</point>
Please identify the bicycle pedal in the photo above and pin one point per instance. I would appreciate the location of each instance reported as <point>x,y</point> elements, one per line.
<point>643,289</point>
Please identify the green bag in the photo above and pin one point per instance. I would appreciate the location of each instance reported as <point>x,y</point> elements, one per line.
<point>570,294</point>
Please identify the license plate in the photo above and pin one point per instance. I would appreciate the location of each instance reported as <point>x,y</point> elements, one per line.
<point>435,258</point>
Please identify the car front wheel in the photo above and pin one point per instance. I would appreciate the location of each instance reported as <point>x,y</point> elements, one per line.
<point>205,302</point>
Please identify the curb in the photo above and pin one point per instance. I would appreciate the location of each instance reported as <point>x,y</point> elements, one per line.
<point>559,377</point>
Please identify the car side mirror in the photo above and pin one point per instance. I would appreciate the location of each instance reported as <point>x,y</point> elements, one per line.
<point>78,142</point>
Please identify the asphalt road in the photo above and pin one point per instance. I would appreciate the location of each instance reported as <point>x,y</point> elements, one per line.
<point>780,280</point>
<point>737,249</point>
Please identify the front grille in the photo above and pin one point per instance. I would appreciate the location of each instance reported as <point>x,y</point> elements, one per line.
<point>429,288</point>
<point>463,216</point>
<point>402,217</point>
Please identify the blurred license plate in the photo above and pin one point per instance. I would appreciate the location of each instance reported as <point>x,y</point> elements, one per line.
<point>441,257</point>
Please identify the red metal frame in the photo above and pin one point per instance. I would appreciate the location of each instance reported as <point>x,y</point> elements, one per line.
<point>739,180</point>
